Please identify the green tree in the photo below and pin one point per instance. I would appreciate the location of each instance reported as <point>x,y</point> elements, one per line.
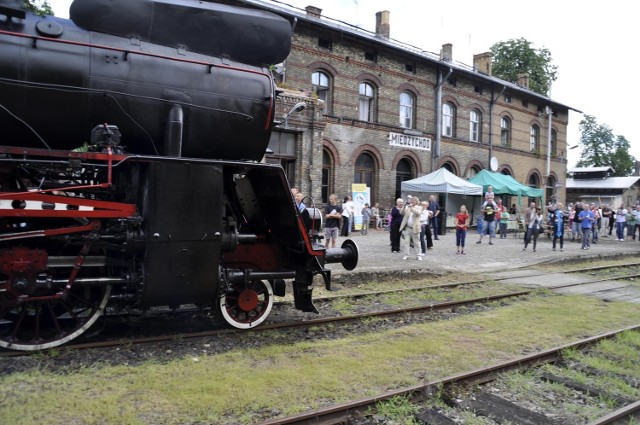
<point>601,148</point>
<point>39,7</point>
<point>517,56</point>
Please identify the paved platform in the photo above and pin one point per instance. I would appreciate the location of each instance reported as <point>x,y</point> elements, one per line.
<point>504,259</point>
<point>504,256</point>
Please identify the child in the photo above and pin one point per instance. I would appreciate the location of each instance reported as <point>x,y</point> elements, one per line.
<point>504,224</point>
<point>366,218</point>
<point>489,197</point>
<point>462,223</point>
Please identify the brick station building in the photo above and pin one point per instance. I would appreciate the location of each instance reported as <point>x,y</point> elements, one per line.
<point>379,112</point>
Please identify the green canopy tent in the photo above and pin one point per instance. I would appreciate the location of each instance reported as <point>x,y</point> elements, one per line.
<point>504,184</point>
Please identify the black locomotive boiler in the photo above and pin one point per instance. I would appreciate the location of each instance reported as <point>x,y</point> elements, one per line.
<point>130,141</point>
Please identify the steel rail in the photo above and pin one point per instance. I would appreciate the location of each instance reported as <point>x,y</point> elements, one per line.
<point>339,413</point>
<point>339,319</point>
<point>272,326</point>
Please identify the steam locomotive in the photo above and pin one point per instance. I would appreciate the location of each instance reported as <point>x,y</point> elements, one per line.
<point>130,177</point>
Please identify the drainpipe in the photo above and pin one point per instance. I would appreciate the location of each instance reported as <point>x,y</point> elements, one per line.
<point>549,112</point>
<point>491,105</point>
<point>438,116</point>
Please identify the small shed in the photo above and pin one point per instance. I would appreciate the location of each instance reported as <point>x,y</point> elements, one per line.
<point>593,185</point>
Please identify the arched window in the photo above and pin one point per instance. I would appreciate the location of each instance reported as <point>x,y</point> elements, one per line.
<point>473,171</point>
<point>326,186</point>
<point>554,142</point>
<point>406,110</point>
<point>404,172</point>
<point>505,131</point>
<point>449,167</point>
<point>550,189</point>
<point>320,84</point>
<point>367,101</point>
<point>534,139</point>
<point>474,126</point>
<point>365,171</point>
<point>534,181</point>
<point>448,120</point>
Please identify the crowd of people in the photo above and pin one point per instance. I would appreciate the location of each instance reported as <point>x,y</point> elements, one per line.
<point>586,222</point>
<point>416,223</point>
<point>413,225</point>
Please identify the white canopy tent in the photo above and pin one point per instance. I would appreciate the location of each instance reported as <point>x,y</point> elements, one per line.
<point>441,181</point>
<point>456,190</point>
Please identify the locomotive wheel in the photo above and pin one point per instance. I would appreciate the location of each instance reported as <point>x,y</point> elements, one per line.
<point>41,324</point>
<point>247,305</point>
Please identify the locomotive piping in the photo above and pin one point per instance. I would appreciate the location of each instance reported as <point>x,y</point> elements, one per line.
<point>208,65</point>
<point>26,125</point>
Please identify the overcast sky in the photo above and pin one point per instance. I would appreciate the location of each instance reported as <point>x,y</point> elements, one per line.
<point>593,43</point>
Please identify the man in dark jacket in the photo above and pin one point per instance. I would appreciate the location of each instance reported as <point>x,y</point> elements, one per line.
<point>434,207</point>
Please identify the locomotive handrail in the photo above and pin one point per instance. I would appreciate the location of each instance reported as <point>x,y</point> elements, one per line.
<point>122,158</point>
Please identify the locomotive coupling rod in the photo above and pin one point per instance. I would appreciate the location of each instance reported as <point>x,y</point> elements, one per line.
<point>347,254</point>
<point>93,281</point>
<point>240,276</point>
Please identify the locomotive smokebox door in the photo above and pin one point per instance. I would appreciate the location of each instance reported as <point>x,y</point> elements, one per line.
<point>182,213</point>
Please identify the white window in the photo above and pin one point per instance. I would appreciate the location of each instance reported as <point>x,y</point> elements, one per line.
<point>505,131</point>
<point>534,139</point>
<point>448,115</point>
<point>474,126</point>
<point>367,96</point>
<point>320,86</point>
<point>406,110</point>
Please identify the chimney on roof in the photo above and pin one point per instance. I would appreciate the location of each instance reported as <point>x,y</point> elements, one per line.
<point>446,54</point>
<point>383,28</point>
<point>523,80</point>
<point>316,12</point>
<point>482,63</point>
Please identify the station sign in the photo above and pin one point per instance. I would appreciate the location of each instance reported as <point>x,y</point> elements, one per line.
<point>409,142</point>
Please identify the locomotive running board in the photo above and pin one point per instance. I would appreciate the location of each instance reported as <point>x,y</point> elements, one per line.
<point>35,204</point>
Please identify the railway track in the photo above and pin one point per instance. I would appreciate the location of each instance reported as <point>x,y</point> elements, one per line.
<point>483,392</point>
<point>427,307</point>
<point>431,307</point>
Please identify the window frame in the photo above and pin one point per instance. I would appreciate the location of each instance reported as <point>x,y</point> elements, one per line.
<point>448,119</point>
<point>407,110</point>
<point>318,89</point>
<point>328,173</point>
<point>534,138</point>
<point>366,101</point>
<point>475,126</point>
<point>505,131</point>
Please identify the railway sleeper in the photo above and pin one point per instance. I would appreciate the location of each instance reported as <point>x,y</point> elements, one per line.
<point>584,389</point>
<point>632,382</point>
<point>502,410</point>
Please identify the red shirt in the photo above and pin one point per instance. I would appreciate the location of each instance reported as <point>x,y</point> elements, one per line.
<point>461,220</point>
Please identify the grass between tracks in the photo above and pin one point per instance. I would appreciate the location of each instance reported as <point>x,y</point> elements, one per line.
<point>243,385</point>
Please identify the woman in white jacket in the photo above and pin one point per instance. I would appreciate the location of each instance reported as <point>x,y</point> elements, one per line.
<point>347,215</point>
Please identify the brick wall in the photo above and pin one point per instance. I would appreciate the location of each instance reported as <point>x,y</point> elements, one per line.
<point>347,137</point>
